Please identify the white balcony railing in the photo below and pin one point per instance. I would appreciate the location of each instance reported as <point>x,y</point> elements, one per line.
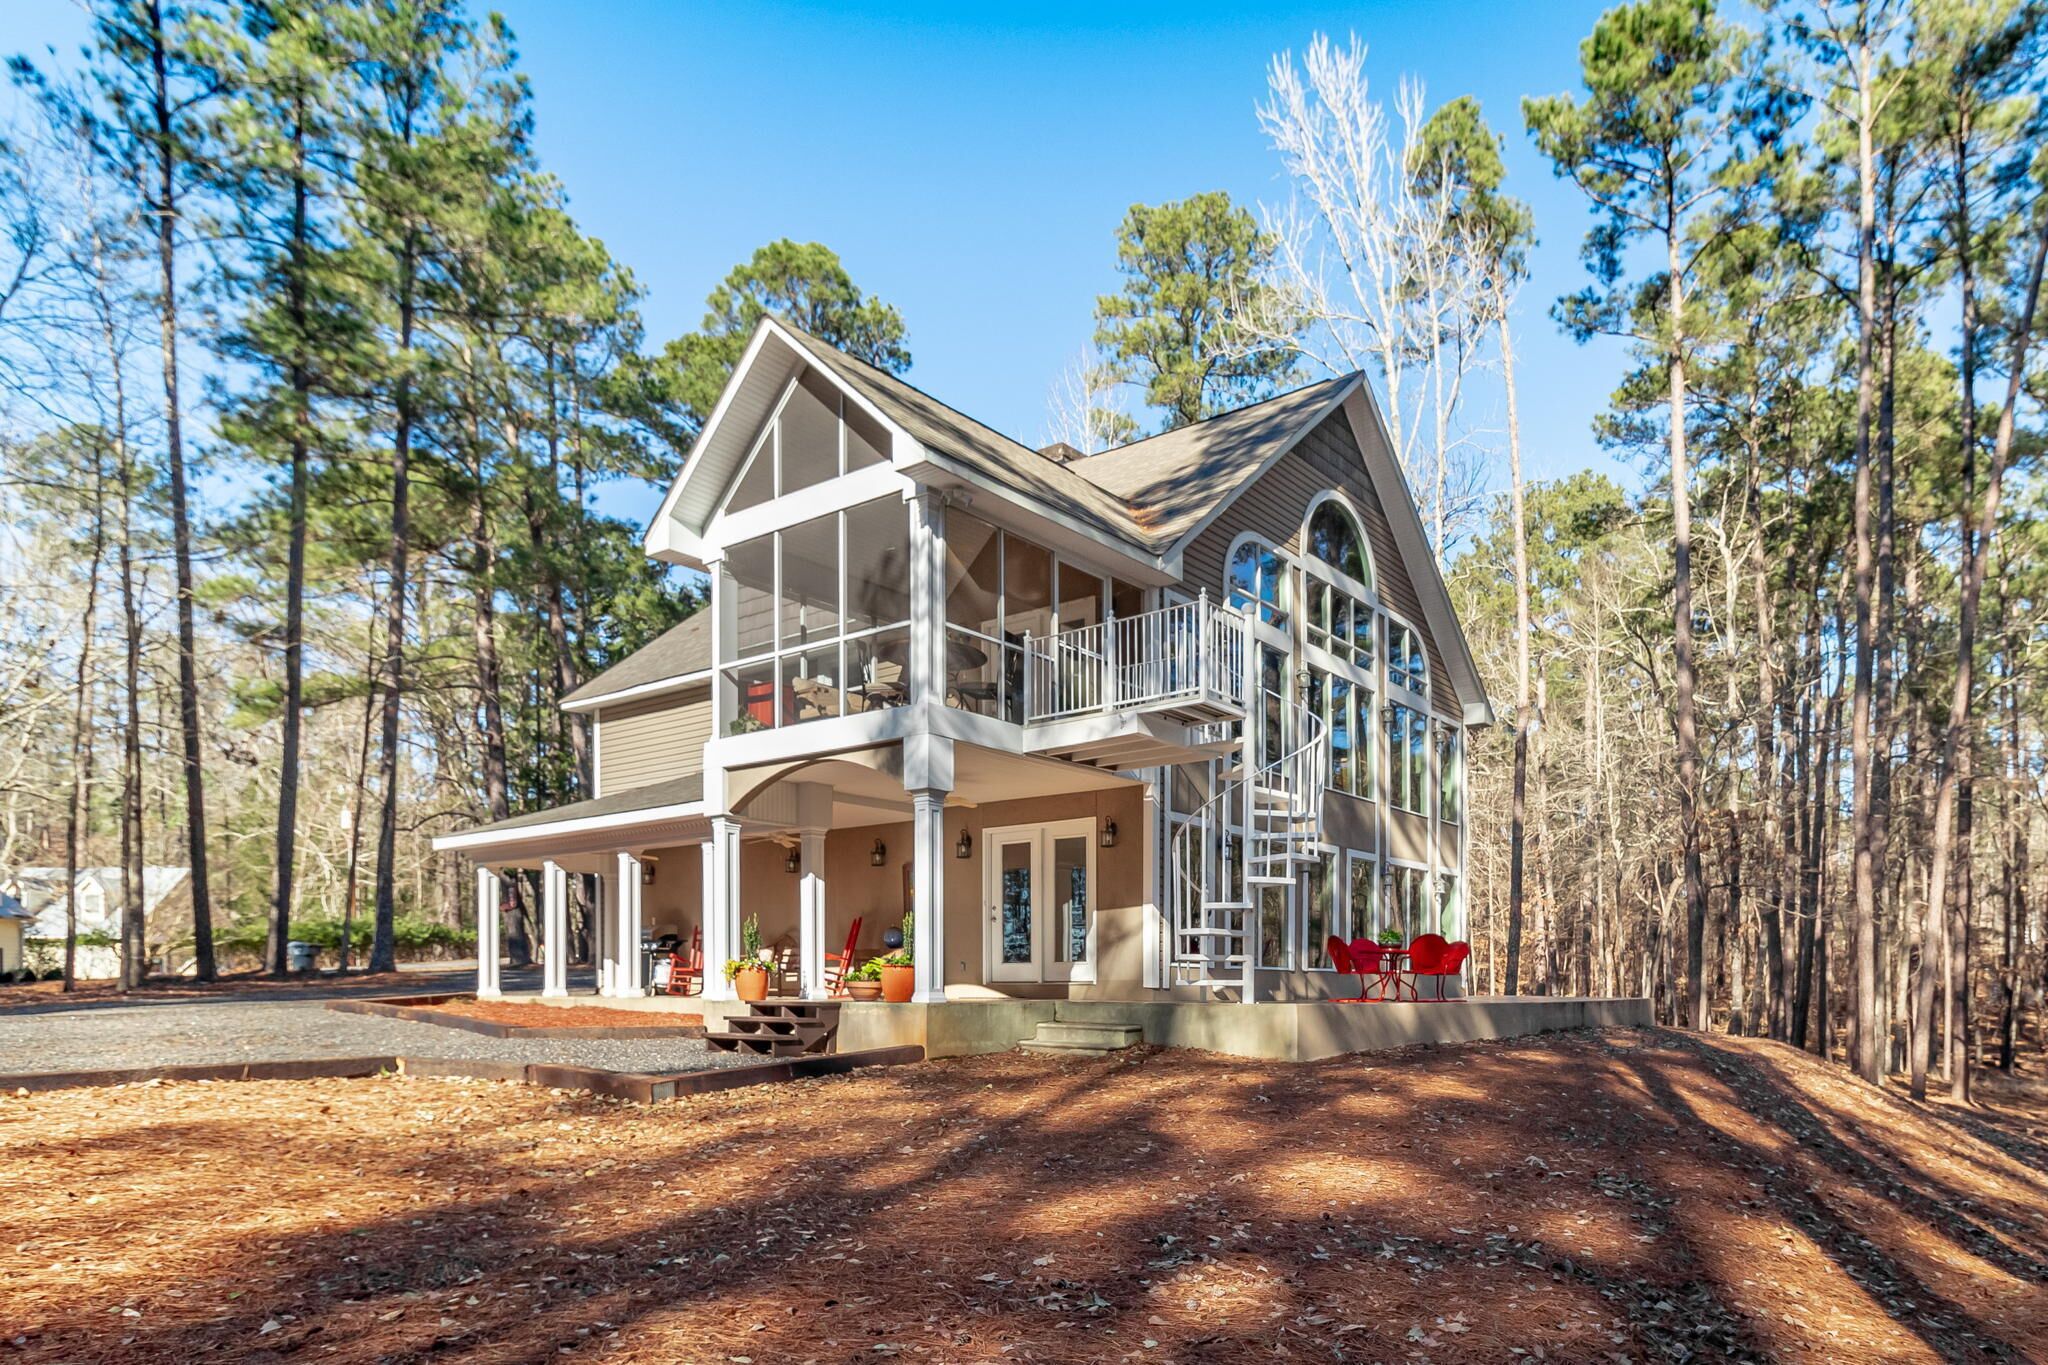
<point>1188,657</point>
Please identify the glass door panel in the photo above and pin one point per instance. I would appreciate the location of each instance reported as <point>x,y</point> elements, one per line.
<point>1070,890</point>
<point>1013,896</point>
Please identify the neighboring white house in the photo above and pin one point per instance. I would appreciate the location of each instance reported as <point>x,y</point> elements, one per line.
<point>14,921</point>
<point>166,914</point>
<point>1147,725</point>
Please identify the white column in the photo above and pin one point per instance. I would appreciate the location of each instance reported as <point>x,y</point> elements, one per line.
<point>927,598</point>
<point>604,935</point>
<point>489,894</point>
<point>721,906</point>
<point>1159,888</point>
<point>554,927</point>
<point>928,880</point>
<point>811,913</point>
<point>632,975</point>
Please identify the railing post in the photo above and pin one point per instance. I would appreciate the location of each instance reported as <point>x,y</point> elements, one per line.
<point>1204,649</point>
<point>1029,712</point>
<point>1109,688</point>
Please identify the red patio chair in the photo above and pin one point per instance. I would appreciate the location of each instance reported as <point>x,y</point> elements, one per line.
<point>1454,961</point>
<point>1426,958</point>
<point>1340,956</point>
<point>837,965</point>
<point>685,969</point>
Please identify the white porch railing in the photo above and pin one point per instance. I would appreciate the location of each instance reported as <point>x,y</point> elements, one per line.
<point>1190,655</point>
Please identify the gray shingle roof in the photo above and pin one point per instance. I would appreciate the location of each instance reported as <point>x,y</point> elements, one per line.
<point>674,792</point>
<point>1172,480</point>
<point>682,649</point>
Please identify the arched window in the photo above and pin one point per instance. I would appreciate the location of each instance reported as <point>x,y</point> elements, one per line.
<point>1334,539</point>
<point>1257,575</point>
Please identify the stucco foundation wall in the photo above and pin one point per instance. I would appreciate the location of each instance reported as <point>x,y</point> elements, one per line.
<point>1306,1033</point>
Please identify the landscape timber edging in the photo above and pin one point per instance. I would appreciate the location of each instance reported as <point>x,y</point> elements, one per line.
<point>417,1009</point>
<point>644,1087</point>
<point>307,1069</point>
<point>648,1087</point>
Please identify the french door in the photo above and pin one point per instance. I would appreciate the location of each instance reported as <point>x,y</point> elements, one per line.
<point>1039,890</point>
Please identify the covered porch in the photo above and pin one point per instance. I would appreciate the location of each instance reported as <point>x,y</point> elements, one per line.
<point>1037,876</point>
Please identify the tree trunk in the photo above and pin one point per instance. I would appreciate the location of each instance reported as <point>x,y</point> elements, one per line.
<point>78,812</point>
<point>1524,716</point>
<point>295,573</point>
<point>383,948</point>
<point>1683,670</point>
<point>1954,761</point>
<point>165,211</point>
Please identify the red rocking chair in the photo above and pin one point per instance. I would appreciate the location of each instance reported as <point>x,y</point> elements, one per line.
<point>683,969</point>
<point>837,965</point>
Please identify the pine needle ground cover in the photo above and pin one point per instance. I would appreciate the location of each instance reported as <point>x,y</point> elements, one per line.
<point>1628,1196</point>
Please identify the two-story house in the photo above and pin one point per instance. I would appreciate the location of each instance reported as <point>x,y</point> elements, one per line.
<point>1147,725</point>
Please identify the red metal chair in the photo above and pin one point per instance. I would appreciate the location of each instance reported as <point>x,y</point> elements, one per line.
<point>1426,958</point>
<point>1454,962</point>
<point>1340,956</point>
<point>837,965</point>
<point>685,969</point>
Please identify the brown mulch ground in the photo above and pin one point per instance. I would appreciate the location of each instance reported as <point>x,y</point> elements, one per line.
<point>522,1014</point>
<point>1628,1196</point>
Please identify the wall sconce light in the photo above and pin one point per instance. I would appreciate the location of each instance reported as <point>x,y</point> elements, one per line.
<point>647,872</point>
<point>965,847</point>
<point>1109,834</point>
<point>879,854</point>
<point>792,862</point>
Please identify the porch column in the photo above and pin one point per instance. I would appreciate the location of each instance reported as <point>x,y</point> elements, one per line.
<point>554,929</point>
<point>490,891</point>
<point>631,978</point>
<point>721,905</point>
<point>604,935</point>
<point>928,881</point>
<point>810,918</point>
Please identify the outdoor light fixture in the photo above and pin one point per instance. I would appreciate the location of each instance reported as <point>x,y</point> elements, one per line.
<point>791,862</point>
<point>879,854</point>
<point>647,872</point>
<point>1109,834</point>
<point>965,848</point>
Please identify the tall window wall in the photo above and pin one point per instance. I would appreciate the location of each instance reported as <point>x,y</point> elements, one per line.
<point>1001,587</point>
<point>816,435</point>
<point>816,619</point>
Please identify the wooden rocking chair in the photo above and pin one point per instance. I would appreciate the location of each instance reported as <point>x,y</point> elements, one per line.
<point>683,969</point>
<point>837,965</point>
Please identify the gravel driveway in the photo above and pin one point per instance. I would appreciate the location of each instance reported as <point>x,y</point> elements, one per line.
<point>229,1030</point>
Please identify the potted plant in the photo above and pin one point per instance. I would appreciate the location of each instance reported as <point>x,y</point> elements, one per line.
<point>749,971</point>
<point>865,981</point>
<point>898,969</point>
<point>1390,938</point>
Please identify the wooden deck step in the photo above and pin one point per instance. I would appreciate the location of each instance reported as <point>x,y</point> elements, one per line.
<point>780,1028</point>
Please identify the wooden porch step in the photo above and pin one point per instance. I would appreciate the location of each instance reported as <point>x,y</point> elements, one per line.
<point>780,1028</point>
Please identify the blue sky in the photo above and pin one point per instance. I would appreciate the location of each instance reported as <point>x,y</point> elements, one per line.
<point>972,170</point>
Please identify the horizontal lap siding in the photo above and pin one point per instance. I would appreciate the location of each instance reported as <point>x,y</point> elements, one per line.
<point>652,740</point>
<point>1275,506</point>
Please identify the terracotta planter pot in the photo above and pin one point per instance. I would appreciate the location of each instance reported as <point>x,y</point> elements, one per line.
<point>751,984</point>
<point>898,983</point>
<point>864,990</point>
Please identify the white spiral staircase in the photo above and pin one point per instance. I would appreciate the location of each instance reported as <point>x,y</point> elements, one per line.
<point>1260,827</point>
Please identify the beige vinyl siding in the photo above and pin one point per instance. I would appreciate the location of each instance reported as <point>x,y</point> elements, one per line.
<point>653,740</point>
<point>1274,508</point>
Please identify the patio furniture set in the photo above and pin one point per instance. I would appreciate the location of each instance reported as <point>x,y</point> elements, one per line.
<point>1394,969</point>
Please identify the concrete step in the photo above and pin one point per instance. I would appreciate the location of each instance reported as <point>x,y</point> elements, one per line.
<point>1066,1038</point>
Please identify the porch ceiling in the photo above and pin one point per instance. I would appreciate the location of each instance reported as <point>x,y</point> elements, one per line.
<point>867,788</point>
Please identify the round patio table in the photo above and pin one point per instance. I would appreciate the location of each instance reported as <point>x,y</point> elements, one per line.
<point>1393,962</point>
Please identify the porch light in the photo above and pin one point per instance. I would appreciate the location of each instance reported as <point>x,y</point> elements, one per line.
<point>791,862</point>
<point>1109,834</point>
<point>879,854</point>
<point>647,871</point>
<point>965,847</point>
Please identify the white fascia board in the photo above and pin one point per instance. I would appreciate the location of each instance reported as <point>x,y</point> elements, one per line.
<point>1405,521</point>
<point>682,682</point>
<point>653,544</point>
<point>556,829</point>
